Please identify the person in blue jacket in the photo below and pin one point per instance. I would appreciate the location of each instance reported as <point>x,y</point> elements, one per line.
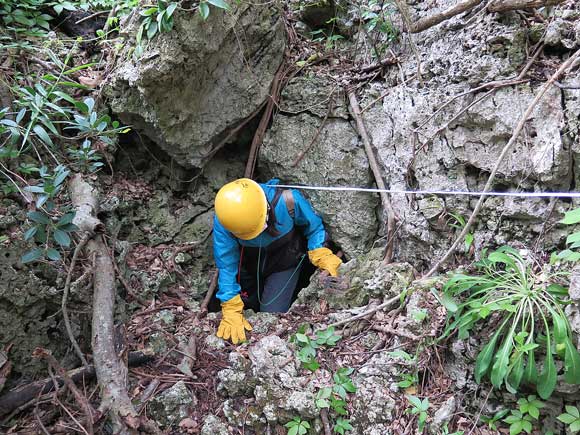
<point>262,235</point>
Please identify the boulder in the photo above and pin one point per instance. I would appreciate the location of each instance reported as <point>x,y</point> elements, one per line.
<point>193,85</point>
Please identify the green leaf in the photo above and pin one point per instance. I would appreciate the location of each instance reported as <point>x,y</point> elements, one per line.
<point>204,10</point>
<point>53,254</point>
<point>66,219</point>
<point>516,427</point>
<point>573,411</point>
<point>571,217</point>
<point>293,430</point>
<point>571,363</point>
<point>575,426</point>
<point>560,332</point>
<point>43,135</point>
<point>531,371</point>
<point>566,418</point>
<point>32,255</point>
<point>38,217</point>
<point>449,303</point>
<point>29,234</point>
<point>516,374</point>
<point>62,238</point>
<point>151,30</point>
<point>484,358</point>
<point>219,4</point>
<point>170,9</point>
<point>500,367</point>
<point>547,379</point>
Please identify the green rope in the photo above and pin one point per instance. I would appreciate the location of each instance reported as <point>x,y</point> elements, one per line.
<point>285,285</point>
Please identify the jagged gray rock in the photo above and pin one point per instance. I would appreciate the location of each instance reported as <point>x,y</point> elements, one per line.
<point>193,85</point>
<point>173,405</point>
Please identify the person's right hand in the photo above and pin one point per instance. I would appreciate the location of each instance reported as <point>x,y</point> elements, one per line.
<point>233,324</point>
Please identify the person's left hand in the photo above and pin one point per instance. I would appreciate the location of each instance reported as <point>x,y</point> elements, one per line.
<point>324,259</point>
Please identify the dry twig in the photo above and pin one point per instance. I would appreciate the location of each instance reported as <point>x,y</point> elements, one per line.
<point>391,219</point>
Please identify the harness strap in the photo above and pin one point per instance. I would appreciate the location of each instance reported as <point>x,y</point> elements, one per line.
<point>289,200</point>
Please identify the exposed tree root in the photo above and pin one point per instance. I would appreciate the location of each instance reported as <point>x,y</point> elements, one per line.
<point>561,70</point>
<point>362,130</point>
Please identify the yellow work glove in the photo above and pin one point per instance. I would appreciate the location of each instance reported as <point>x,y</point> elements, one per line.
<point>324,259</point>
<point>233,322</point>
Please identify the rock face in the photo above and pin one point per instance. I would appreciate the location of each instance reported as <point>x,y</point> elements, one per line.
<point>336,157</point>
<point>426,145</point>
<point>193,85</point>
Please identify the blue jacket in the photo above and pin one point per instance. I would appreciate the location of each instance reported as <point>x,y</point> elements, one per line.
<point>226,247</point>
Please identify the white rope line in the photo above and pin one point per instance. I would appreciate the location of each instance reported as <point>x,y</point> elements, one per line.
<point>433,192</point>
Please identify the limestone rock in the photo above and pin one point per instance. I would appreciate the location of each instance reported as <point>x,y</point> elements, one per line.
<point>214,426</point>
<point>173,405</point>
<point>364,278</point>
<point>337,158</point>
<point>193,85</point>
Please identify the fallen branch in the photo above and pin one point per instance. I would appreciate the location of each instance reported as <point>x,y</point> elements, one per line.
<point>432,20</point>
<point>110,370</point>
<point>355,109</point>
<point>325,422</point>
<point>80,398</point>
<point>28,393</point>
<point>571,60</point>
<point>364,314</point>
<point>511,5</point>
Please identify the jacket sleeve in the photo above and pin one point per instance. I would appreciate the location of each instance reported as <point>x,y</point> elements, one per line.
<point>226,252</point>
<point>306,217</point>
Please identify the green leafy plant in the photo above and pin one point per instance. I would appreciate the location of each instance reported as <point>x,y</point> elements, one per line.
<point>572,251</point>
<point>297,426</point>
<point>308,346</point>
<point>491,421</point>
<point>49,186</point>
<point>342,425</point>
<point>530,405</point>
<point>519,422</point>
<point>376,15</point>
<point>457,221</point>
<point>204,7</point>
<point>419,407</point>
<point>342,382</point>
<point>25,16</point>
<point>445,430</point>
<point>87,159</point>
<point>526,311</point>
<point>571,418</point>
<point>46,230</point>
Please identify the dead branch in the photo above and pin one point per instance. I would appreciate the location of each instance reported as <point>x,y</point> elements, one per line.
<point>407,20</point>
<point>511,5</point>
<point>393,331</point>
<point>373,310</point>
<point>208,296</point>
<point>64,300</point>
<point>563,68</point>
<point>110,370</point>
<point>80,398</point>
<point>432,20</point>
<point>19,397</point>
<point>362,130</point>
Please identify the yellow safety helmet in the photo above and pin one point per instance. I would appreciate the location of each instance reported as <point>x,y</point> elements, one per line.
<point>241,207</point>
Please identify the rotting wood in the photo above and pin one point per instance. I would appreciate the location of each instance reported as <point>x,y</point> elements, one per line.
<point>22,395</point>
<point>518,129</point>
<point>362,130</point>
